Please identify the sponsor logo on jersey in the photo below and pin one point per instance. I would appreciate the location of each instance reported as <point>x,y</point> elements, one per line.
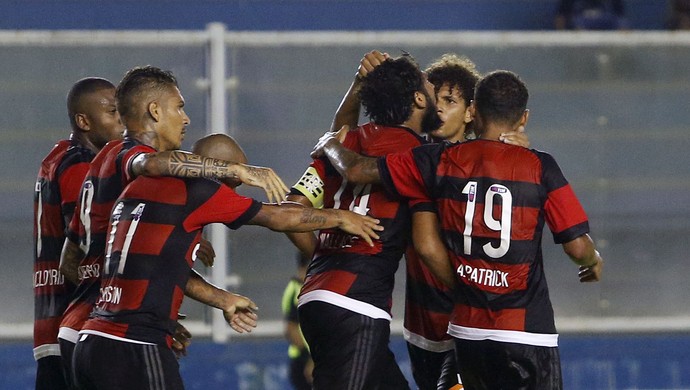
<point>48,277</point>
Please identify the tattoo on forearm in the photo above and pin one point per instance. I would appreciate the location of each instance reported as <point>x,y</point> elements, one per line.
<point>312,216</point>
<point>192,165</point>
<point>256,173</point>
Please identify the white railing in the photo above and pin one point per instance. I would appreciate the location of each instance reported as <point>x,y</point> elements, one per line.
<point>218,39</point>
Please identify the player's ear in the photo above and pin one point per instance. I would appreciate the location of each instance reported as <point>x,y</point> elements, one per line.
<point>420,99</point>
<point>82,122</point>
<point>524,118</point>
<point>468,115</point>
<point>154,109</point>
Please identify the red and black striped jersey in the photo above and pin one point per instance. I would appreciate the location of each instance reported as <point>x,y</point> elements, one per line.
<point>57,186</point>
<point>493,200</point>
<point>347,271</point>
<point>108,175</point>
<point>427,307</point>
<point>154,232</point>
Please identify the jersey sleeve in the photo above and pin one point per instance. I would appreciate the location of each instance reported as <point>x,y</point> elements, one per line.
<point>125,160</point>
<point>223,205</point>
<point>75,229</point>
<point>411,174</point>
<point>565,215</point>
<point>70,184</point>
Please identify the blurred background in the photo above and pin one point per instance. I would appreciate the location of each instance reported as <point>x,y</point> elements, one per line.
<point>611,105</point>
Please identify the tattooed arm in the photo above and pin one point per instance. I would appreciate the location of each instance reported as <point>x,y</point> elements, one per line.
<point>293,217</point>
<point>352,166</point>
<point>70,258</point>
<point>184,164</point>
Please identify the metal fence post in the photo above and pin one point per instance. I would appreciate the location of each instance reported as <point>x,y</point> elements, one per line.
<point>218,124</point>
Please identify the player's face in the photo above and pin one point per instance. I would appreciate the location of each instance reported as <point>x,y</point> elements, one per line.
<point>104,120</point>
<point>173,122</point>
<point>453,112</point>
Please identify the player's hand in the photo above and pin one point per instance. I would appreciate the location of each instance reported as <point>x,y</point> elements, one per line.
<point>518,137</point>
<point>591,273</point>
<point>181,338</point>
<point>205,253</point>
<point>240,313</point>
<point>329,136</point>
<point>363,226</point>
<point>264,178</point>
<point>370,61</point>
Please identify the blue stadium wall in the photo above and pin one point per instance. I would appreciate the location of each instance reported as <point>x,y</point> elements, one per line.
<point>303,14</point>
<point>589,362</point>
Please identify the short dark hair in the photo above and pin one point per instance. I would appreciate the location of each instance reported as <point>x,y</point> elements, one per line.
<point>387,92</point>
<point>79,89</point>
<point>141,80</point>
<point>501,97</point>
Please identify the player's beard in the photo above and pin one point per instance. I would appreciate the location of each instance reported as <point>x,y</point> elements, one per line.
<point>431,120</point>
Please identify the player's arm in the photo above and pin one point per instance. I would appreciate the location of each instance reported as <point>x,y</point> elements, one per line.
<point>348,111</point>
<point>294,217</point>
<point>352,166</point>
<point>206,254</point>
<point>304,242</point>
<point>239,311</point>
<point>583,253</point>
<point>182,338</point>
<point>426,237</point>
<point>184,164</point>
<point>70,257</point>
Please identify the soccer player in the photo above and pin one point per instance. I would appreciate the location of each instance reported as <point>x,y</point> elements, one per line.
<point>344,305</point>
<point>301,365</point>
<point>493,200</point>
<point>427,301</point>
<point>94,121</point>
<point>154,231</point>
<point>427,307</point>
<point>152,110</point>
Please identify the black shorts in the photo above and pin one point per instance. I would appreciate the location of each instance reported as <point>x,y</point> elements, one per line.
<point>106,364</point>
<point>49,374</point>
<point>67,353</point>
<point>432,370</point>
<point>488,364</point>
<point>350,350</point>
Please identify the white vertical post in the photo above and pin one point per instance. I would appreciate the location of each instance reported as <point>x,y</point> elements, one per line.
<point>218,124</point>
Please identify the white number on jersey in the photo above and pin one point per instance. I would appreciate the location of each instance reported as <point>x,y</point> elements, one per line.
<point>502,225</point>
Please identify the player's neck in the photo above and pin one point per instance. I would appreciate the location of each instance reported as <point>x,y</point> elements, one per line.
<point>144,134</point>
<point>84,140</point>
<point>493,131</point>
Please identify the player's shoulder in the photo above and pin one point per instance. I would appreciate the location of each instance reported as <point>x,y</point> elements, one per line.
<point>388,139</point>
<point>57,151</point>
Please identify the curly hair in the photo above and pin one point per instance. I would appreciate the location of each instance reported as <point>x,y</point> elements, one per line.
<point>139,81</point>
<point>459,73</point>
<point>387,92</point>
<point>501,97</point>
<point>455,71</point>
